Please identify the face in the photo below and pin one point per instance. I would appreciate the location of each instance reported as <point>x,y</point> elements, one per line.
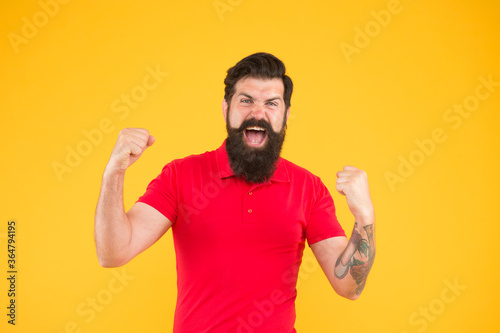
<point>255,123</point>
<point>258,99</point>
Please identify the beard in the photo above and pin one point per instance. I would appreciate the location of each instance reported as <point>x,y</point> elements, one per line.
<point>255,164</point>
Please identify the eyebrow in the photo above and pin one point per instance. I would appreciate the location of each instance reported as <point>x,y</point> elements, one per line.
<point>267,100</point>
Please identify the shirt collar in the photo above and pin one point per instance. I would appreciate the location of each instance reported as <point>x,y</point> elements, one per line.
<point>225,171</point>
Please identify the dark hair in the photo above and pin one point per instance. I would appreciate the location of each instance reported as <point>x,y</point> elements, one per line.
<point>261,66</point>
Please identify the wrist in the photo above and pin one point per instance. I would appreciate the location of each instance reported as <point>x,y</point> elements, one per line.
<point>113,173</point>
<point>365,218</point>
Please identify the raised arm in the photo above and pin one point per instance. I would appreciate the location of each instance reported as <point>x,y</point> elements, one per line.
<point>347,263</point>
<point>120,236</point>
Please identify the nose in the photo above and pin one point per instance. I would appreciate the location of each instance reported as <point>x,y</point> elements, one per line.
<point>258,112</point>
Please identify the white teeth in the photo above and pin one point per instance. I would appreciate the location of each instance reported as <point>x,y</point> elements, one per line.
<point>255,128</point>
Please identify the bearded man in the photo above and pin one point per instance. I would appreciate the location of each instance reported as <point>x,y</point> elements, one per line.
<point>240,215</point>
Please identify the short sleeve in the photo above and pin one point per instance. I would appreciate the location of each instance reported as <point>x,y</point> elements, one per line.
<point>323,221</point>
<point>161,192</point>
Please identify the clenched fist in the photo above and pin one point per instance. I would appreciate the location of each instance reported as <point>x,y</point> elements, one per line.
<point>130,145</point>
<point>353,183</point>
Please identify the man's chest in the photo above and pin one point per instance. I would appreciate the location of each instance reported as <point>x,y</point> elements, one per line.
<point>225,210</point>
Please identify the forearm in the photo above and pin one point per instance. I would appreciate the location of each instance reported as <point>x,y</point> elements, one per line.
<point>112,226</point>
<point>354,264</point>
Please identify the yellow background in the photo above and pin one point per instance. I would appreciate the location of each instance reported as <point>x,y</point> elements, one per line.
<point>437,227</point>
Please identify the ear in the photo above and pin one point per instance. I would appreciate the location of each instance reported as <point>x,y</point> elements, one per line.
<point>224,109</point>
<point>287,114</point>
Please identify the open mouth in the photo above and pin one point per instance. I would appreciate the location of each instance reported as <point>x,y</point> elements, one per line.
<point>255,136</point>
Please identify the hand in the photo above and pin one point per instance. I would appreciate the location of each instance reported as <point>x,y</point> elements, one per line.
<point>353,183</point>
<point>130,145</point>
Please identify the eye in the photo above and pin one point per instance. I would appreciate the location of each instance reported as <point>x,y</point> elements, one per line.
<point>246,100</point>
<point>272,103</point>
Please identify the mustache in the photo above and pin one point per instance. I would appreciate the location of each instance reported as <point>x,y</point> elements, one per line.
<point>255,122</point>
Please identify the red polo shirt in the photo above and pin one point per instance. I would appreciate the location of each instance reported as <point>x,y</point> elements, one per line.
<point>239,245</point>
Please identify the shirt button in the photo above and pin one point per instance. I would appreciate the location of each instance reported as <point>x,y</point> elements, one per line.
<point>249,193</point>
<point>250,211</point>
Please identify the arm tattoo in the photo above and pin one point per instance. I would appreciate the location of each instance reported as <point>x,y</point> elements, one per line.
<point>358,257</point>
